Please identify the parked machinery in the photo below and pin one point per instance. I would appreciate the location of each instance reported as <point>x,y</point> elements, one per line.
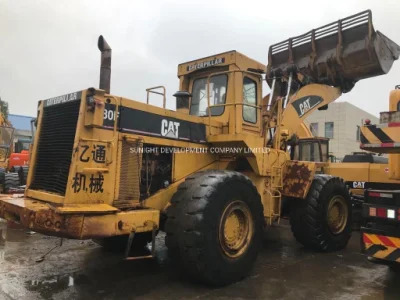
<point>211,174</point>
<point>12,164</point>
<point>360,170</point>
<point>381,210</point>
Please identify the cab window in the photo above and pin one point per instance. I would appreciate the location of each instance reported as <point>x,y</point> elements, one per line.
<point>199,103</point>
<point>310,152</point>
<point>249,97</point>
<point>324,152</point>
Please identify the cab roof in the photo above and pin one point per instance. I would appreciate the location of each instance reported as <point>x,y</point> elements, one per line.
<point>222,59</point>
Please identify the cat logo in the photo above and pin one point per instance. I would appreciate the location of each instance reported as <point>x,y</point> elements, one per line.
<point>306,104</point>
<point>358,184</point>
<point>170,129</point>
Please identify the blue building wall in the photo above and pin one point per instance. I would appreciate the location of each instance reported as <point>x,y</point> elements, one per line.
<point>20,122</point>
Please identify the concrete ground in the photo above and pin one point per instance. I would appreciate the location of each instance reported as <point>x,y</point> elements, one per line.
<point>284,270</point>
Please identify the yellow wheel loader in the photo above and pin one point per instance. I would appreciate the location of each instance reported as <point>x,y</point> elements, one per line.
<point>211,174</point>
<point>6,141</point>
<point>360,170</point>
<point>9,176</point>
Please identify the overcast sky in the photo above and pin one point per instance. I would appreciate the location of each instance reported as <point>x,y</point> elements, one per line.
<point>49,48</point>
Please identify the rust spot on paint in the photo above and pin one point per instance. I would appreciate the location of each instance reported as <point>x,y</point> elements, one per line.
<point>297,178</point>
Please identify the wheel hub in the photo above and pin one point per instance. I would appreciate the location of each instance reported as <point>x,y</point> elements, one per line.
<point>236,229</point>
<point>337,214</point>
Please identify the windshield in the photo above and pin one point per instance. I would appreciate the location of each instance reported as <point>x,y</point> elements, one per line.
<point>6,138</point>
<point>199,103</point>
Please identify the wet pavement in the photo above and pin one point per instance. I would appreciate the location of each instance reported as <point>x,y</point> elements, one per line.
<point>83,270</point>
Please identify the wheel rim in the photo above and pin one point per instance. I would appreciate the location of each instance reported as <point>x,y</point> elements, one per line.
<point>236,229</point>
<point>337,214</point>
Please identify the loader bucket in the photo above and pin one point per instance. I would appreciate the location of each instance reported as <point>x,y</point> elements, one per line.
<point>338,54</point>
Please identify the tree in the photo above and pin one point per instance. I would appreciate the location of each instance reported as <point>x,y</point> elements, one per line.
<point>4,108</point>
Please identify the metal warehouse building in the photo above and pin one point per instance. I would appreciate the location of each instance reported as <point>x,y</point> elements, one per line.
<point>341,124</point>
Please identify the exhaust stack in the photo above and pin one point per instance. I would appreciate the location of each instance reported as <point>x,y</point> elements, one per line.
<point>105,67</point>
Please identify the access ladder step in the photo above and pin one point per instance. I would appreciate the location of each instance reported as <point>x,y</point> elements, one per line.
<point>141,253</point>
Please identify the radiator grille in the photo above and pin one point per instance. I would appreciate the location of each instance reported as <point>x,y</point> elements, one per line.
<point>129,182</point>
<point>55,146</point>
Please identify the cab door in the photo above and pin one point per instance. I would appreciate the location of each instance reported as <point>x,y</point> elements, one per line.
<point>251,102</point>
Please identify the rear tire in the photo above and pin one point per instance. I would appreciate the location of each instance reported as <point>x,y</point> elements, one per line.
<point>2,176</point>
<point>11,180</point>
<point>214,226</point>
<point>15,169</point>
<point>323,221</point>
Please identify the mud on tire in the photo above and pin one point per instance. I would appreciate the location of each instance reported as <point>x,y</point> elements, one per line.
<point>309,217</point>
<point>194,226</point>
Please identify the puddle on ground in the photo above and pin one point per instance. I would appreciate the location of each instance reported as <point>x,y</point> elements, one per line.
<point>12,232</point>
<point>46,287</point>
<point>51,285</point>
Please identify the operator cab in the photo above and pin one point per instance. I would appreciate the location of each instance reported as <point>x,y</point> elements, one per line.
<point>22,144</point>
<point>314,149</point>
<point>226,82</point>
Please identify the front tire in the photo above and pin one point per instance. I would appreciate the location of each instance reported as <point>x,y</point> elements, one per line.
<point>323,221</point>
<point>214,226</point>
